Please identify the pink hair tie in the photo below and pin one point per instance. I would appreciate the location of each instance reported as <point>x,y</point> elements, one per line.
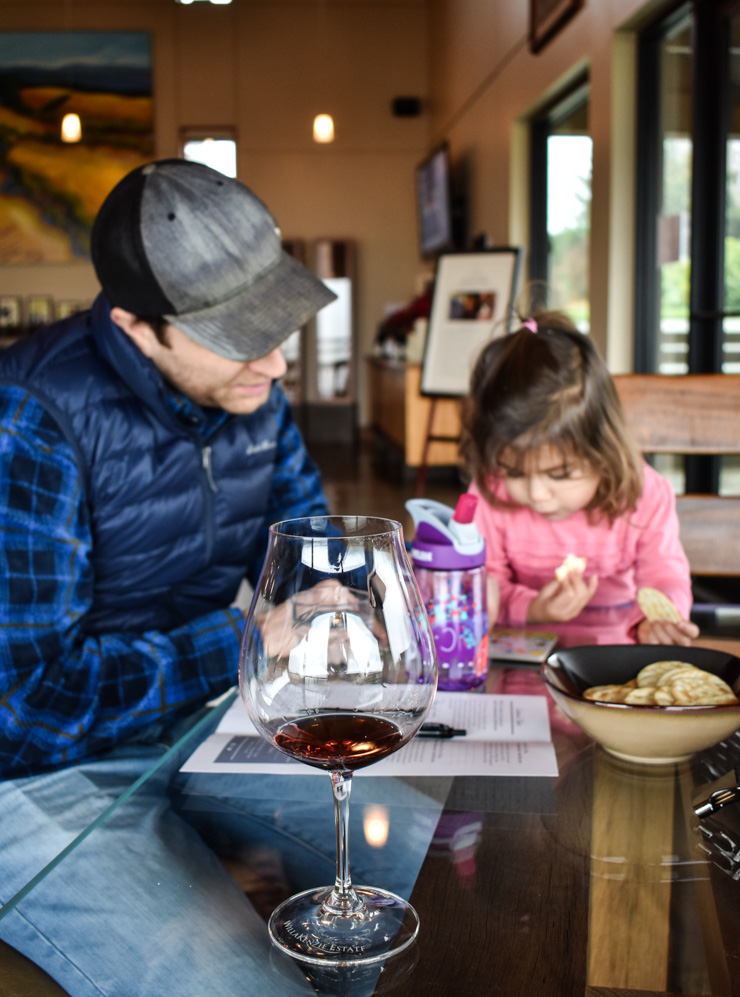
<point>530,324</point>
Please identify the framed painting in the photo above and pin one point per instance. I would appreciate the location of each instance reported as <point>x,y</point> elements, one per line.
<point>39,311</point>
<point>51,187</point>
<point>11,313</point>
<point>473,302</point>
<point>64,309</point>
<point>547,18</point>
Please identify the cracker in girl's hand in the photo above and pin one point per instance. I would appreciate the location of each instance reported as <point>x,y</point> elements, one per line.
<point>657,606</point>
<point>571,563</point>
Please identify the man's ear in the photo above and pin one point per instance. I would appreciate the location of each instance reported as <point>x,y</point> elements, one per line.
<point>141,332</point>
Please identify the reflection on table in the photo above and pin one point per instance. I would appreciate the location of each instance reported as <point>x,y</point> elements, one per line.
<point>600,881</point>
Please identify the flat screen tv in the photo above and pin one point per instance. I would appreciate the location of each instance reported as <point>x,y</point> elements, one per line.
<point>434,203</point>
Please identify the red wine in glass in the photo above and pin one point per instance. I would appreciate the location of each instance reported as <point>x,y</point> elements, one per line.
<point>339,740</point>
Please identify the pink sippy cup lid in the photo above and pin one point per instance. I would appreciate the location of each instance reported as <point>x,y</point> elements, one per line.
<point>465,508</point>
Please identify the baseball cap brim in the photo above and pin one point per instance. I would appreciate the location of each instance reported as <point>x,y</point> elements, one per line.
<point>254,321</point>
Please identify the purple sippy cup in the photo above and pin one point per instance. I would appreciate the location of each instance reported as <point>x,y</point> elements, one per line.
<point>448,555</point>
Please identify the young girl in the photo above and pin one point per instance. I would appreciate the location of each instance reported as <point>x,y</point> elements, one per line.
<point>556,475</point>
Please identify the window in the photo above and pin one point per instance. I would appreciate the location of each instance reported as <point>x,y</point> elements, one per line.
<point>333,262</point>
<point>687,280</point>
<point>215,148</point>
<point>665,147</point>
<point>293,347</point>
<point>560,206</point>
<point>688,211</point>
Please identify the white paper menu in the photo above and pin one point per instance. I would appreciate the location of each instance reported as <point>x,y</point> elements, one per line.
<point>505,735</point>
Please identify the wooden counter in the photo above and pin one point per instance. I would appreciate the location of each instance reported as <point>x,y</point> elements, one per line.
<point>400,414</point>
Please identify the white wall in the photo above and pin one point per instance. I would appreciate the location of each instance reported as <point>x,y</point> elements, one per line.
<point>486,83</point>
<point>266,67</point>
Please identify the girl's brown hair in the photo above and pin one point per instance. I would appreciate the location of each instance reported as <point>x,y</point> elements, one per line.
<point>551,386</point>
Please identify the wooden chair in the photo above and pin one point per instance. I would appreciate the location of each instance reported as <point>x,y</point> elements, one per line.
<point>692,414</point>
<point>19,977</point>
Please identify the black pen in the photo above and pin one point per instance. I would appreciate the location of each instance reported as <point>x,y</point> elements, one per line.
<point>440,730</point>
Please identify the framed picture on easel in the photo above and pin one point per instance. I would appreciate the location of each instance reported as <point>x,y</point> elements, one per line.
<point>11,313</point>
<point>473,302</point>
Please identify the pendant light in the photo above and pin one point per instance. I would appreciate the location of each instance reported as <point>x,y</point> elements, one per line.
<point>323,128</point>
<point>323,124</point>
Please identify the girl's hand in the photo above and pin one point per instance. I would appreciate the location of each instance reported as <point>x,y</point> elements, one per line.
<point>559,601</point>
<point>666,632</point>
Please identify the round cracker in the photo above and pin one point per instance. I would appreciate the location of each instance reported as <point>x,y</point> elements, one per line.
<point>720,699</point>
<point>692,686</point>
<point>691,693</point>
<point>657,606</point>
<point>644,696</point>
<point>606,693</point>
<point>667,683</point>
<point>690,673</point>
<point>663,697</point>
<point>650,674</point>
<point>694,677</point>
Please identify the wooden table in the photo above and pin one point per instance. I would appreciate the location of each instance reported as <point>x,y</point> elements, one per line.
<point>399,413</point>
<point>612,894</point>
<point>600,882</point>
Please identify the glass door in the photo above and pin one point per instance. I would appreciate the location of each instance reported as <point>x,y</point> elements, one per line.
<point>665,144</point>
<point>730,360</point>
<point>560,206</point>
<point>687,253</point>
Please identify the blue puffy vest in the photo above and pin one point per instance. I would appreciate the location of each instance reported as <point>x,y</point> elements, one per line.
<point>176,508</point>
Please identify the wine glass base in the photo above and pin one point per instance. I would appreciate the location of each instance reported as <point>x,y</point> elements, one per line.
<point>384,926</point>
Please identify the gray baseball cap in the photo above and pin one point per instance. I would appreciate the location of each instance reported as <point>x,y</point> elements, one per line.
<point>177,239</point>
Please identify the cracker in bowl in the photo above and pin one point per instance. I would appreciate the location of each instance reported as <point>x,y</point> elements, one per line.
<point>609,693</point>
<point>667,683</point>
<point>652,674</point>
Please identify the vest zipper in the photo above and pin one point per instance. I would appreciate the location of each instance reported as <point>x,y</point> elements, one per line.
<point>206,456</point>
<point>208,487</point>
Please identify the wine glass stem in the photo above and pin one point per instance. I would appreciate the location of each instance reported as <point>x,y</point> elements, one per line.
<point>343,899</point>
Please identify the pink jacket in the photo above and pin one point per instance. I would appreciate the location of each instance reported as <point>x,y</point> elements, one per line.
<point>523,549</point>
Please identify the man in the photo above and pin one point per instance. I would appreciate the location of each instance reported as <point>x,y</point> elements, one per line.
<point>144,450</point>
<point>142,461</point>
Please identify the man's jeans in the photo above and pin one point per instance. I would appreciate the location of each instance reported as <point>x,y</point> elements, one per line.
<point>143,907</point>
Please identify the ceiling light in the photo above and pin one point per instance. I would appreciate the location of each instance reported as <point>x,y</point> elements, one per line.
<point>323,128</point>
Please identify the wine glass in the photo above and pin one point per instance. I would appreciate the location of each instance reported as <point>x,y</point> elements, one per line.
<point>338,669</point>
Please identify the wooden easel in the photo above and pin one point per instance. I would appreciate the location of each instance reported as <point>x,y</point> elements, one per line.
<point>431,437</point>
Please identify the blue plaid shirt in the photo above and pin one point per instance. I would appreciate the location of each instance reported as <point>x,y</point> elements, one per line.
<point>66,695</point>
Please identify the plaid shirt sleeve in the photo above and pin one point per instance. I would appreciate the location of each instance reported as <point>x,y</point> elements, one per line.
<point>64,695</point>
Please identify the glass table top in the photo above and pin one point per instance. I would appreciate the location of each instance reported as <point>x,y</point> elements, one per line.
<point>600,881</point>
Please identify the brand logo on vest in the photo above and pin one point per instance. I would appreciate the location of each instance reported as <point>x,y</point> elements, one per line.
<point>260,447</point>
